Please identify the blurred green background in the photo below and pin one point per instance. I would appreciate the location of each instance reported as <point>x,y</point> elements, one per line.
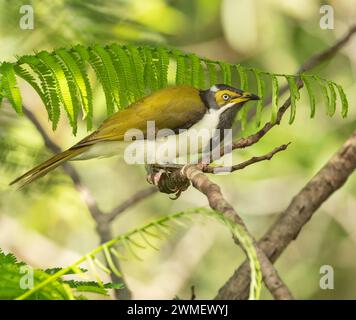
<point>48,225</point>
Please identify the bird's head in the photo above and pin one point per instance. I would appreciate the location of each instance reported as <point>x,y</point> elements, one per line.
<point>221,96</point>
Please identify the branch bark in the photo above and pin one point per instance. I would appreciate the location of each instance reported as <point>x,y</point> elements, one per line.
<point>287,227</point>
<point>218,202</point>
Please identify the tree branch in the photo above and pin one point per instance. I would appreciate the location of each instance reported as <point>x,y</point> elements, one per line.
<point>288,225</point>
<point>243,165</point>
<point>217,202</point>
<point>138,196</point>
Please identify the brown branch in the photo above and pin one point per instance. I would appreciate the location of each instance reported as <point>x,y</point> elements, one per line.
<point>217,202</point>
<point>243,165</point>
<point>288,225</point>
<point>138,196</point>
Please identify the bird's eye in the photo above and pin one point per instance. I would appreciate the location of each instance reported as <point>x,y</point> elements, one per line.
<point>225,97</point>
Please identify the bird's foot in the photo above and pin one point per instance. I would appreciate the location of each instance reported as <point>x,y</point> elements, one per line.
<point>153,178</point>
<point>164,181</point>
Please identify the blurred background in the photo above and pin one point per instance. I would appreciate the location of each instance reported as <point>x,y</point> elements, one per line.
<point>48,224</point>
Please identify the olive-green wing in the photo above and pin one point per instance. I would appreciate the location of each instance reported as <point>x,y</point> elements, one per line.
<point>171,108</point>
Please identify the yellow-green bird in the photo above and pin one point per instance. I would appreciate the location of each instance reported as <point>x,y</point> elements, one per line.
<point>180,109</point>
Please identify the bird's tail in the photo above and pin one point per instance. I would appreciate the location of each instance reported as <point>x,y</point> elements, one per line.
<point>47,166</point>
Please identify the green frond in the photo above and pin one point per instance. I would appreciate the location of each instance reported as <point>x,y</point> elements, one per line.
<point>9,86</point>
<point>345,104</point>
<point>226,73</point>
<point>14,273</point>
<point>96,63</point>
<point>161,59</point>
<point>27,76</point>
<point>127,73</point>
<point>242,115</point>
<point>150,71</point>
<point>213,76</point>
<point>48,84</point>
<point>62,86</point>
<point>75,71</point>
<point>325,93</point>
<point>137,68</point>
<point>110,72</point>
<point>129,240</point>
<point>275,98</point>
<point>198,77</point>
<point>181,67</point>
<point>332,92</point>
<point>110,262</point>
<point>294,95</point>
<point>261,88</point>
<point>308,85</point>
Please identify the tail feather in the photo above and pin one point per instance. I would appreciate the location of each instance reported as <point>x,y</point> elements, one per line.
<point>47,166</point>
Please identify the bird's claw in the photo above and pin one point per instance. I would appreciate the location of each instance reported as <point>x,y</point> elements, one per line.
<point>154,178</point>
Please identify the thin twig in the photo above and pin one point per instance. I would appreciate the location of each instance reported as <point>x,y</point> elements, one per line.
<point>243,165</point>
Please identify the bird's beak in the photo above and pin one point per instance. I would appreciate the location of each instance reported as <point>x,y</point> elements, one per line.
<point>246,96</point>
<point>251,96</point>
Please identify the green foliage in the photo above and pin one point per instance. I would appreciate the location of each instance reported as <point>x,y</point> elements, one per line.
<point>127,73</point>
<point>16,277</point>
<point>128,244</point>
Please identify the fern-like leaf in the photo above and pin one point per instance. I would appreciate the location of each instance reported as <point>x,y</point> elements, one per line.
<point>261,87</point>
<point>96,63</point>
<point>127,73</point>
<point>226,73</point>
<point>244,86</point>
<point>9,86</point>
<point>294,95</point>
<point>332,107</point>
<point>345,105</point>
<point>137,70</point>
<point>275,98</point>
<point>48,84</point>
<point>128,241</point>
<point>213,77</point>
<point>181,67</point>
<point>81,81</point>
<point>198,78</point>
<point>62,86</point>
<point>308,85</point>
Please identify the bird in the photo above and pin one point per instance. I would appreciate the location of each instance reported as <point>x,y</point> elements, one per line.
<point>180,109</point>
